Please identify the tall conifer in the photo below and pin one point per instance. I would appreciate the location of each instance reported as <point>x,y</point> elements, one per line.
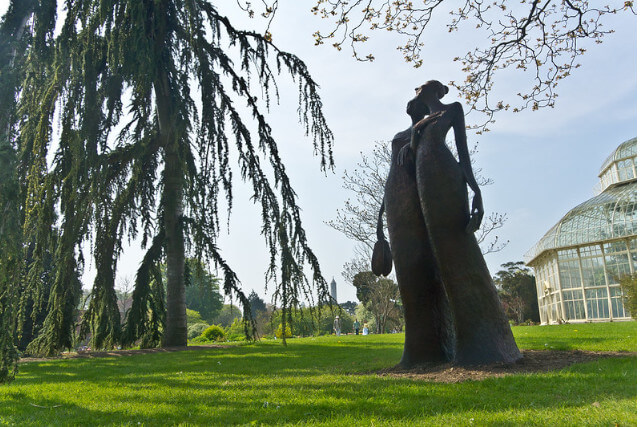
<point>12,57</point>
<point>138,155</point>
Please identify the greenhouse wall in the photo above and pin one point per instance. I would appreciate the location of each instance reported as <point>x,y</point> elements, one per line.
<point>578,263</point>
<point>582,284</point>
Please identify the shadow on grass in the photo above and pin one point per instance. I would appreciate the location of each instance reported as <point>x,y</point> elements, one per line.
<point>282,399</point>
<point>273,384</point>
<point>248,360</point>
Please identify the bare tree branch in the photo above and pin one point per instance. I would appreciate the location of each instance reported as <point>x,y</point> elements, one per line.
<point>357,220</point>
<point>541,38</point>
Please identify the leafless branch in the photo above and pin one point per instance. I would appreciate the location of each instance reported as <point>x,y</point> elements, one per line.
<point>541,38</point>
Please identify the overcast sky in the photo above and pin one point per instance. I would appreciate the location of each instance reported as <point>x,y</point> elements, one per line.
<point>542,163</point>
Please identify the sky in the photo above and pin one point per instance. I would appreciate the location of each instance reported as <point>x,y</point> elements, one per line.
<point>543,163</point>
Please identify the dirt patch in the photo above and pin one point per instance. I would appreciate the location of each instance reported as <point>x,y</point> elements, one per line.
<point>118,353</point>
<point>533,361</point>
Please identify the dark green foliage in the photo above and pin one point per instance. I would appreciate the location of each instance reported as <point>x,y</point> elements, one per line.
<point>10,259</point>
<point>257,304</point>
<point>349,307</point>
<point>59,325</point>
<point>227,315</point>
<point>629,285</point>
<point>517,292</point>
<point>12,57</point>
<point>260,313</point>
<point>33,302</point>
<point>145,319</point>
<point>138,156</point>
<point>202,293</point>
<point>364,283</point>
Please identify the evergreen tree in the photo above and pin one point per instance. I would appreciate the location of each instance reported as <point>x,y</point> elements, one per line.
<point>203,291</point>
<point>257,304</point>
<point>139,155</point>
<point>517,292</point>
<point>10,258</point>
<point>12,47</point>
<point>228,314</point>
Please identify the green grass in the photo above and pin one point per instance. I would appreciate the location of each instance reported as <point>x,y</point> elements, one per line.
<point>585,336</point>
<point>325,380</point>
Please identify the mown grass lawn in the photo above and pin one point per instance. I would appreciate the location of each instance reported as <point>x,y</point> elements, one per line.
<point>325,380</point>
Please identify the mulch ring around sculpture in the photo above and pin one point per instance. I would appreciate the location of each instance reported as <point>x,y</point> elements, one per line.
<point>118,353</point>
<point>533,361</point>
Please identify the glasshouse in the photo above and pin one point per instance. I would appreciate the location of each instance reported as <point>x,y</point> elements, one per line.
<point>579,261</point>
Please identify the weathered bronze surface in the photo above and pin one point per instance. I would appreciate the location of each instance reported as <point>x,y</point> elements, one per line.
<point>451,307</point>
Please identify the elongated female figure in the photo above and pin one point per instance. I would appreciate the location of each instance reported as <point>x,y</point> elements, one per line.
<point>482,331</point>
<point>428,323</point>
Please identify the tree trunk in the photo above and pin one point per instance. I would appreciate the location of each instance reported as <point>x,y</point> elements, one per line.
<point>176,323</point>
<point>175,333</point>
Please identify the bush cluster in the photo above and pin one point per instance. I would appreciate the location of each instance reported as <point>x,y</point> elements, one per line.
<point>287,332</point>
<point>196,330</point>
<point>214,333</point>
<point>629,285</point>
<point>235,332</point>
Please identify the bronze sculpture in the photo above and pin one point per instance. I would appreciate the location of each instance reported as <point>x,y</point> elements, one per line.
<point>452,310</point>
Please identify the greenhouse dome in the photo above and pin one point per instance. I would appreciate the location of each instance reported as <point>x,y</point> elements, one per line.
<point>579,261</point>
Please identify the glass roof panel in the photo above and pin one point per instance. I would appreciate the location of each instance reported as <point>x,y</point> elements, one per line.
<point>625,150</point>
<point>609,215</point>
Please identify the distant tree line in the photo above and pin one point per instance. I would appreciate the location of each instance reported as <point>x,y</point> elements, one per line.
<point>517,291</point>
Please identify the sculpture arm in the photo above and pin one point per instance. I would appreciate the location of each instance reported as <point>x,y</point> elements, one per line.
<point>407,152</point>
<point>460,133</point>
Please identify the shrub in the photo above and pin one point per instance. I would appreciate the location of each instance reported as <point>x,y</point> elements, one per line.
<point>236,337</point>
<point>193,317</point>
<point>629,285</point>
<point>213,333</point>
<point>196,330</point>
<point>235,332</point>
<point>287,332</point>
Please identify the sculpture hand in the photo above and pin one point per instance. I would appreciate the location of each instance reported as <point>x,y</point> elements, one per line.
<point>427,121</point>
<point>477,212</point>
<point>405,155</point>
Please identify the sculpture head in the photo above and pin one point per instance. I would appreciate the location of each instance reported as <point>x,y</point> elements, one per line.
<point>417,109</point>
<point>432,87</point>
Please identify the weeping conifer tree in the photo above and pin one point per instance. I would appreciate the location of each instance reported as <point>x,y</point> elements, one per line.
<point>138,156</point>
<point>10,253</point>
<point>12,48</point>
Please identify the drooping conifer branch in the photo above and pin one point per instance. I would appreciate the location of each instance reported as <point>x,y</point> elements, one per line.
<point>128,67</point>
<point>145,319</point>
<point>12,47</point>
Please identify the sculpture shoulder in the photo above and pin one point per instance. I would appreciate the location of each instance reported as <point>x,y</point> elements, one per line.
<point>455,107</point>
<point>405,136</point>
